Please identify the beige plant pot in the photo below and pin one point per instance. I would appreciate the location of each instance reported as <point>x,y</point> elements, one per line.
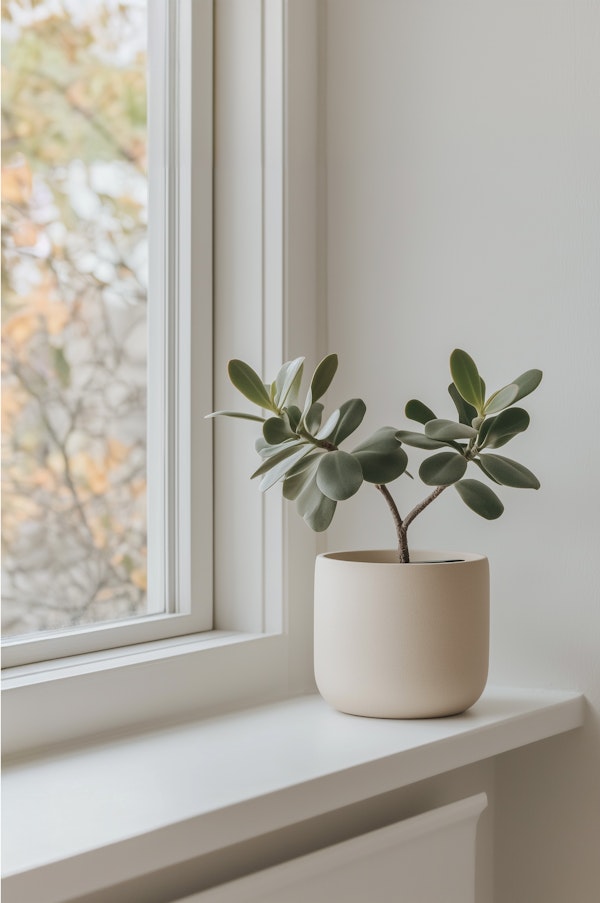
<point>401,640</point>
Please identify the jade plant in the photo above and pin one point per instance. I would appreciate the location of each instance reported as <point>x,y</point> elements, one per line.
<point>301,449</point>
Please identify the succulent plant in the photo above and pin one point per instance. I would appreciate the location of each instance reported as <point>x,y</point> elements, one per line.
<point>301,449</point>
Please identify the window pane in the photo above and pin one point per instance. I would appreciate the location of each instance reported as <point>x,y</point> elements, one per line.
<point>74,312</point>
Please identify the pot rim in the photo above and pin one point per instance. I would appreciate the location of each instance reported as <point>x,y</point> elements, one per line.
<point>419,557</point>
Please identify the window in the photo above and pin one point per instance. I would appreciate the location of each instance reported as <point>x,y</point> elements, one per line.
<point>75,208</point>
<point>97,481</point>
<point>265,287</point>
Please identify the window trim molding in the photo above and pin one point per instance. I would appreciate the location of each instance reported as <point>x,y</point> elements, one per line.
<point>188,676</point>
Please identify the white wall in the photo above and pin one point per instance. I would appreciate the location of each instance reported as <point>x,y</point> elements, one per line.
<point>463,209</point>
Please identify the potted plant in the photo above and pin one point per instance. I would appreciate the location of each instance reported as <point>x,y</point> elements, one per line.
<point>398,634</point>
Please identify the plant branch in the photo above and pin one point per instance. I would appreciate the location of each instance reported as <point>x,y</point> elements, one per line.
<point>422,505</point>
<point>400,529</point>
<point>403,525</point>
<point>318,443</point>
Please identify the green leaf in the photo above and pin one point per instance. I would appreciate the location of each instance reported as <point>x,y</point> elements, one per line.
<point>509,472</point>
<point>249,383</point>
<point>309,497</point>
<point>501,399</point>
<point>281,452</point>
<point>277,430</point>
<point>298,477</point>
<point>293,486</point>
<point>466,378</point>
<point>449,430</point>
<point>381,456</point>
<point>480,498</point>
<point>501,429</point>
<point>266,450</point>
<point>306,463</point>
<point>319,517</point>
<point>316,509</point>
<point>288,382</point>
<point>527,382</point>
<point>323,375</point>
<point>329,426</point>
<point>466,412</point>
<point>484,471</point>
<point>277,385</point>
<point>313,418</point>
<point>305,411</point>
<point>339,475</point>
<point>282,468</point>
<point>352,413</point>
<point>416,410</point>
<point>261,445</point>
<point>418,440</point>
<point>442,469</point>
<point>382,440</point>
<point>292,395</point>
<point>294,414</point>
<point>238,414</point>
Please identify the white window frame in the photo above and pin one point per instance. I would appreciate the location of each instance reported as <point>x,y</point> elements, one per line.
<point>260,650</point>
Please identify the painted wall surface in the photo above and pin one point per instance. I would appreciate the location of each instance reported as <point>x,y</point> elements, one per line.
<point>463,209</point>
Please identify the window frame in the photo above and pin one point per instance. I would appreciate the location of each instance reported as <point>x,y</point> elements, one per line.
<point>264,650</point>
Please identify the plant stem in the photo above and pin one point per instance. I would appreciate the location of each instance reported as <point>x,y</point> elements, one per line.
<point>318,443</point>
<point>422,505</point>
<point>403,554</point>
<point>403,525</point>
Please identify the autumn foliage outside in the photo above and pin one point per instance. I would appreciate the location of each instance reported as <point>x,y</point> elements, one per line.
<point>74,312</point>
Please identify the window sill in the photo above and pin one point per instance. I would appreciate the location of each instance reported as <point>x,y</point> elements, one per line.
<point>136,687</point>
<point>78,821</point>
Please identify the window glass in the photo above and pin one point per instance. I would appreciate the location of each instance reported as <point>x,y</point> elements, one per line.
<point>74,312</point>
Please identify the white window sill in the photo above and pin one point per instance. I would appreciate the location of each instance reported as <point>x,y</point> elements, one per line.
<point>81,820</point>
<point>136,687</point>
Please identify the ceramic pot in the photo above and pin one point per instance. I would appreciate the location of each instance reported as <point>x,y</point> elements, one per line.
<point>401,640</point>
